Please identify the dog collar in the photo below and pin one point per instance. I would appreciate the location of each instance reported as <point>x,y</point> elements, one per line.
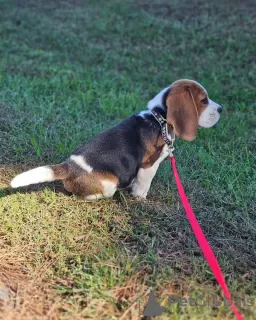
<point>168,138</point>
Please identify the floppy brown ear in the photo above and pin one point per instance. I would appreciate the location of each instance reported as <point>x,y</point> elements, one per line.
<point>182,115</point>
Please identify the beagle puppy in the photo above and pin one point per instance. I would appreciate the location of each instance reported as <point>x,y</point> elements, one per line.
<point>129,154</point>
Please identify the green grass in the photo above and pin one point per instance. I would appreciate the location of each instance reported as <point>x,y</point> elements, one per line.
<point>71,69</point>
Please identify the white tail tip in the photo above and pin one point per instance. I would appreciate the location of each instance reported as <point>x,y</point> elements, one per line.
<point>37,175</point>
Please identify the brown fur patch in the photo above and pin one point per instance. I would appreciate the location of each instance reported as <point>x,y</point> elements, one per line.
<point>60,171</point>
<point>87,184</point>
<point>182,111</point>
<point>153,151</point>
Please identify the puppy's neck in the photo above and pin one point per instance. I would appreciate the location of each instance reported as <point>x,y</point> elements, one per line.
<point>159,102</point>
<point>160,110</point>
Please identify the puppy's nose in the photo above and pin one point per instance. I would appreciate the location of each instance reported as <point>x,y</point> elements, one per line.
<point>219,109</point>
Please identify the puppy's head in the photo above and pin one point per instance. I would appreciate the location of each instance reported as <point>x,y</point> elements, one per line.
<point>188,108</point>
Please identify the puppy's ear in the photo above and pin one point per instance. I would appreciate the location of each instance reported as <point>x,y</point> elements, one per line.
<point>182,115</point>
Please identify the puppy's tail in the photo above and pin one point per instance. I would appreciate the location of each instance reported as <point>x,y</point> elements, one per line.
<point>41,174</point>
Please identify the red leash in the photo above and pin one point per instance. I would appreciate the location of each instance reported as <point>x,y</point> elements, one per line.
<point>203,243</point>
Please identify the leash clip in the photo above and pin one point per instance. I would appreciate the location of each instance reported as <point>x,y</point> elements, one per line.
<point>170,145</point>
<point>170,151</point>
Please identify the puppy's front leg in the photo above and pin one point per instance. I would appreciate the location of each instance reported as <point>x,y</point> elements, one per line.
<point>142,182</point>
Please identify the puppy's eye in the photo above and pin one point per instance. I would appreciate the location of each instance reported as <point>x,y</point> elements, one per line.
<point>204,101</point>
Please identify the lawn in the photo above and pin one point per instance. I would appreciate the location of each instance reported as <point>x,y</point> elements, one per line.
<point>70,69</point>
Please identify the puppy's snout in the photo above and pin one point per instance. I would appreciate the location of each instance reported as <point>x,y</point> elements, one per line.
<point>219,109</point>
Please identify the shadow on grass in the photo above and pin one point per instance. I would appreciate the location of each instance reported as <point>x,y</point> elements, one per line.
<point>53,186</point>
<point>57,187</point>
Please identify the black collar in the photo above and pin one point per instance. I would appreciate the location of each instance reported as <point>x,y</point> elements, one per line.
<point>164,127</point>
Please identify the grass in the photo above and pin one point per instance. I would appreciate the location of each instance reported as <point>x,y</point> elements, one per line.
<point>71,69</point>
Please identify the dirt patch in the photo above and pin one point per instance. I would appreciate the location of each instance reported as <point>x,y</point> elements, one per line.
<point>25,293</point>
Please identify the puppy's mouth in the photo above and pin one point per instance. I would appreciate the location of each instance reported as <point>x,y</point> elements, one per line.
<point>209,124</point>
<point>214,126</point>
